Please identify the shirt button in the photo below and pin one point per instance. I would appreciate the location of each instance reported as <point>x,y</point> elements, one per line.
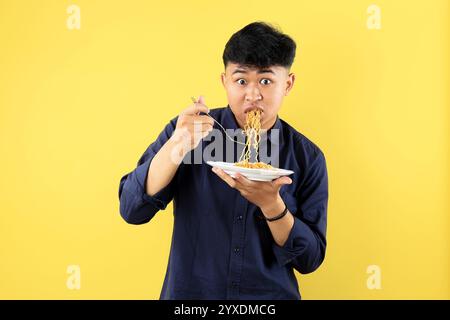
<point>236,250</point>
<point>239,217</point>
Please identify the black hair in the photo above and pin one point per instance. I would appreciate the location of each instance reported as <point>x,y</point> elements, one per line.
<point>260,45</point>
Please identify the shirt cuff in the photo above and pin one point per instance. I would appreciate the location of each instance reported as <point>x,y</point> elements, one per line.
<point>159,199</point>
<point>296,243</point>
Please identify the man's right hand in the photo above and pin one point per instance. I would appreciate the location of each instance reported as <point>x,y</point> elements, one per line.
<point>191,127</point>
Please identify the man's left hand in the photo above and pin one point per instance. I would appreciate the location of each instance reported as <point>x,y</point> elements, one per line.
<point>264,194</point>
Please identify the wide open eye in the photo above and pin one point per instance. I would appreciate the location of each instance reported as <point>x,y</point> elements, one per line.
<point>241,82</point>
<point>265,81</point>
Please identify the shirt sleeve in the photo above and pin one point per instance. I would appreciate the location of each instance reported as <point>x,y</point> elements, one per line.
<point>306,243</point>
<point>136,206</point>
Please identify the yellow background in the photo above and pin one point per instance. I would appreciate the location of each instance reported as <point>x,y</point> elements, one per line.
<point>79,107</point>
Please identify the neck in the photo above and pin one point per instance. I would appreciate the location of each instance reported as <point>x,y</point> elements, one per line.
<point>269,124</point>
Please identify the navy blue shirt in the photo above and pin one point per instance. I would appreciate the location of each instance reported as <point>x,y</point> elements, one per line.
<point>221,248</point>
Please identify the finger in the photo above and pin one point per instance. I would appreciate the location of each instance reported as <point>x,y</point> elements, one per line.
<point>200,127</point>
<point>281,181</point>
<point>192,120</point>
<point>202,134</point>
<point>225,177</point>
<point>203,119</point>
<point>244,181</point>
<point>205,133</point>
<point>200,107</point>
<point>195,109</point>
<point>201,99</point>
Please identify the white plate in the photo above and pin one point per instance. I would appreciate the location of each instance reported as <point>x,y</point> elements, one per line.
<point>250,173</point>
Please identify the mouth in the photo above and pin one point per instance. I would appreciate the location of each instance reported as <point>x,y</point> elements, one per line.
<point>253,107</point>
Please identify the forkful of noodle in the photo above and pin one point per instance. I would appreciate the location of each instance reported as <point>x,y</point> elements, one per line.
<point>252,131</point>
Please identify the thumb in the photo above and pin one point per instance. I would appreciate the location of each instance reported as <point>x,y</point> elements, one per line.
<point>201,99</point>
<point>281,181</point>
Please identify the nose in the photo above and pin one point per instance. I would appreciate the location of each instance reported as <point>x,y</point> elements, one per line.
<point>252,94</point>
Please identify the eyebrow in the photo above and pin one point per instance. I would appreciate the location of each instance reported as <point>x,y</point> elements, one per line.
<point>240,70</point>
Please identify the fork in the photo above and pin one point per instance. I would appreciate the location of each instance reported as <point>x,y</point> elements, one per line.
<point>194,100</point>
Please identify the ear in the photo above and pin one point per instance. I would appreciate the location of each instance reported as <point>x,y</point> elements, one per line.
<point>289,83</point>
<point>222,77</point>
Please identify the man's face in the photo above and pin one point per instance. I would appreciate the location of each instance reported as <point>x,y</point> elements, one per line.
<point>264,89</point>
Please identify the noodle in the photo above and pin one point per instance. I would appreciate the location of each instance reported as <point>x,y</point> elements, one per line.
<point>252,129</point>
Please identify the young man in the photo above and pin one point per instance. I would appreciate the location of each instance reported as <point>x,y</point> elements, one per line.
<point>234,238</point>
